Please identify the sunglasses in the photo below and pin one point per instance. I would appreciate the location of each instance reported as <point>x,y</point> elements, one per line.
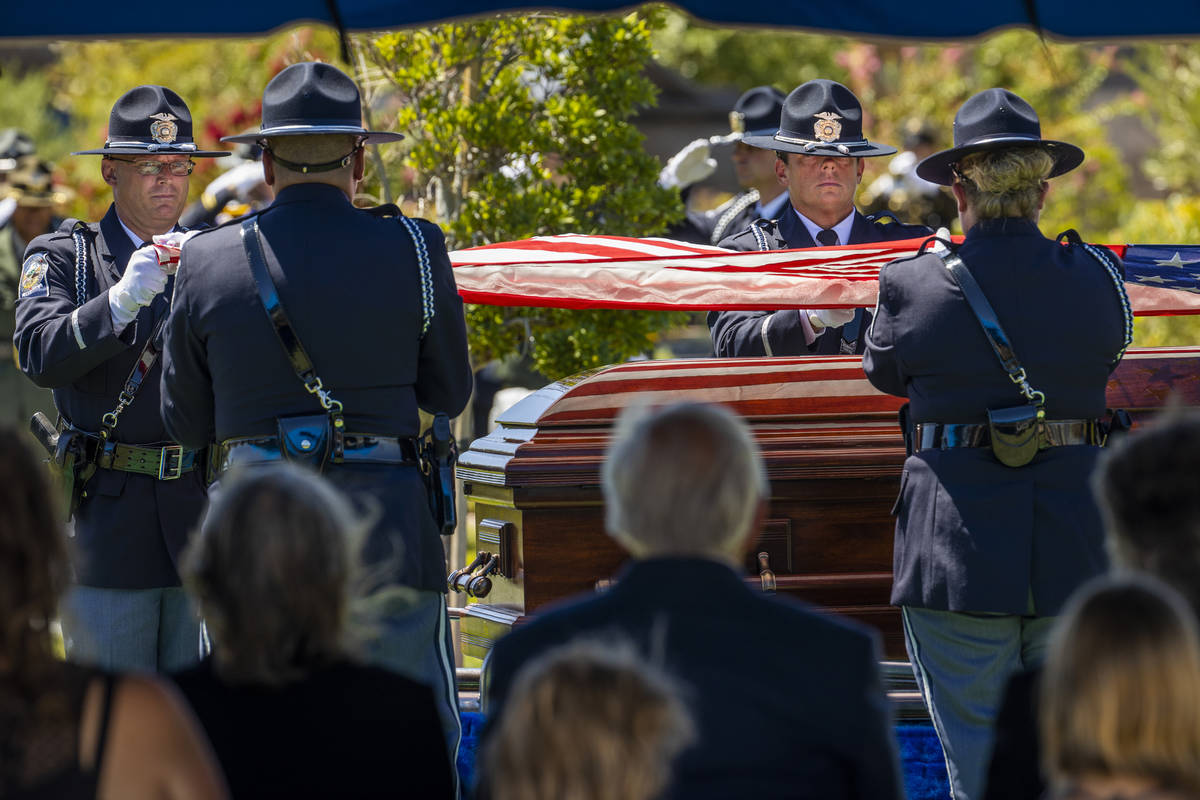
<point>177,168</point>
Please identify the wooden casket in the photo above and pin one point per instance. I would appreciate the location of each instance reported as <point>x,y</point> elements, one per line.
<point>833,453</point>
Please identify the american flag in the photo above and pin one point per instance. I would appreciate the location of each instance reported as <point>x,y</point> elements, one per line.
<point>577,271</point>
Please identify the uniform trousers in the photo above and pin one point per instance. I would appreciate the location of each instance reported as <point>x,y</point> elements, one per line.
<point>131,630</point>
<point>411,636</point>
<point>962,662</point>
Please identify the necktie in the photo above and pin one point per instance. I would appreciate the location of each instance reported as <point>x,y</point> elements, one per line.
<point>827,237</point>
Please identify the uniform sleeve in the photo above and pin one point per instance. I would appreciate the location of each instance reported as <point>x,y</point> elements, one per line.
<point>881,361</point>
<point>58,342</point>
<point>738,334</point>
<point>187,393</point>
<point>444,368</point>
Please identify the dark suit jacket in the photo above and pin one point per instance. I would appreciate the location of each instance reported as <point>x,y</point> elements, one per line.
<point>788,701</point>
<point>130,527</point>
<point>741,333</point>
<point>971,533</point>
<point>348,279</point>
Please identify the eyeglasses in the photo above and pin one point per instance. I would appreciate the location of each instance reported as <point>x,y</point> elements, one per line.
<point>177,168</point>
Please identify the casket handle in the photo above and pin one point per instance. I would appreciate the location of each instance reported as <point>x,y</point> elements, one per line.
<point>765,574</point>
<point>474,584</point>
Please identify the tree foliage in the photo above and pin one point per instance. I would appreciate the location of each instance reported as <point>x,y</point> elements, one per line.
<point>520,126</point>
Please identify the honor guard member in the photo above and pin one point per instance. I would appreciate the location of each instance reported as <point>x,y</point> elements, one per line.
<point>995,523</point>
<point>28,198</point>
<point>89,316</point>
<point>819,150</point>
<point>756,113</point>
<point>369,297</point>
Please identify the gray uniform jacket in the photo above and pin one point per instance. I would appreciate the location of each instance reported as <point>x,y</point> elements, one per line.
<point>971,533</point>
<point>780,333</point>
<point>129,527</point>
<point>349,281</point>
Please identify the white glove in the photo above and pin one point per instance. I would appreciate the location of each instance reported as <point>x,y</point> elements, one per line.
<point>823,318</point>
<point>942,233</point>
<point>691,164</point>
<point>237,182</point>
<point>141,283</point>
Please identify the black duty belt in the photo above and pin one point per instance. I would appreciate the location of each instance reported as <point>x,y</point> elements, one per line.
<point>361,448</point>
<point>1056,433</point>
<point>166,463</point>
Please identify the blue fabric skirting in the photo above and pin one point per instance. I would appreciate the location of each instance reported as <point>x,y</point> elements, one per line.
<point>920,753</point>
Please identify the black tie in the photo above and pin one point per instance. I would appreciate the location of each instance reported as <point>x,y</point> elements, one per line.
<point>827,237</point>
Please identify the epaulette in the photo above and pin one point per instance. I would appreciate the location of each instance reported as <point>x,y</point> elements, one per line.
<point>232,221</point>
<point>385,211</point>
<point>883,217</point>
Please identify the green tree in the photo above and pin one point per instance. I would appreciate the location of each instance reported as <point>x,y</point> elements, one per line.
<point>520,126</point>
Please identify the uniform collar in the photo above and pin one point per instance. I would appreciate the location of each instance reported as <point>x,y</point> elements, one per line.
<point>1006,226</point>
<point>301,192</point>
<point>842,228</point>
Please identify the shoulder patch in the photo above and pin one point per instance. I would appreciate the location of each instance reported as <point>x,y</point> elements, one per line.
<point>33,276</point>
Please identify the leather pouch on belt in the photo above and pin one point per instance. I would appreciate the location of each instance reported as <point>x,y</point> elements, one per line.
<point>305,439</point>
<point>1014,433</point>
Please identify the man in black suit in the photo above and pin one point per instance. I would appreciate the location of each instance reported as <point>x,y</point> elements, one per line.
<point>820,149</point>
<point>371,298</point>
<point>789,702</point>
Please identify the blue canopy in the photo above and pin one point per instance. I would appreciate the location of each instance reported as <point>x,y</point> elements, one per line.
<point>928,19</point>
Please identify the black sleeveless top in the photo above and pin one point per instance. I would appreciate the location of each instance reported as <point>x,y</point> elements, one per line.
<point>39,738</point>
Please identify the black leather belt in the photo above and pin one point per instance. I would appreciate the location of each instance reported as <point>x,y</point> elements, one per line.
<point>360,448</point>
<point>1055,433</point>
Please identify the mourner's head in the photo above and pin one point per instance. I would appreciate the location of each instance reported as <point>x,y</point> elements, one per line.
<point>148,157</point>
<point>1145,485</point>
<point>820,149</point>
<point>683,480</point>
<point>272,569</point>
<point>586,709</point>
<point>1000,164</point>
<point>312,128</point>
<point>1120,693</point>
<point>756,113</point>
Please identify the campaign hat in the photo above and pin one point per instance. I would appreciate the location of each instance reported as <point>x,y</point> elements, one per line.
<point>995,119</point>
<point>312,98</point>
<point>15,146</point>
<point>150,121</point>
<point>32,185</point>
<point>821,118</point>
<point>756,112</point>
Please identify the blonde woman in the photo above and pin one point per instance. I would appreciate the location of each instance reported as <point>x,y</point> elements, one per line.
<point>69,732</point>
<point>986,552</point>
<point>1120,695</point>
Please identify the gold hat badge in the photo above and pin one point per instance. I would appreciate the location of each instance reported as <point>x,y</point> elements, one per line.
<point>827,128</point>
<point>163,129</point>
